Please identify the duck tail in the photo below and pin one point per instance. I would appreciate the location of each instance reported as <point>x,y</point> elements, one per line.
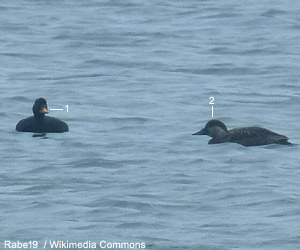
<point>286,142</point>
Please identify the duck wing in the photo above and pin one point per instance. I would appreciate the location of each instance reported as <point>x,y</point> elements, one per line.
<point>255,136</point>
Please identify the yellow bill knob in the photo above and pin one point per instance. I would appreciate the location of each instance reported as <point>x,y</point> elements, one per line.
<point>44,110</point>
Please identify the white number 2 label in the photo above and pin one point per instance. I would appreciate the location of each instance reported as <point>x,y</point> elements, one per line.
<point>212,99</point>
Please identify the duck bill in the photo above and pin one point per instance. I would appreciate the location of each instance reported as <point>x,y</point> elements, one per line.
<point>201,132</point>
<point>44,110</point>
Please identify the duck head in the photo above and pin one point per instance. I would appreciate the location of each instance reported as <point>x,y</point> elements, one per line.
<point>40,108</point>
<point>215,129</point>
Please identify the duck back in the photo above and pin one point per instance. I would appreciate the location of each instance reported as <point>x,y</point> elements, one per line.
<point>256,136</point>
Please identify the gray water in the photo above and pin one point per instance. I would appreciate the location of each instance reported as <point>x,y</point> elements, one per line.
<point>137,77</point>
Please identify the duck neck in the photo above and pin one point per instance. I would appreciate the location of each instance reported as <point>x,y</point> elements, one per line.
<point>39,116</point>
